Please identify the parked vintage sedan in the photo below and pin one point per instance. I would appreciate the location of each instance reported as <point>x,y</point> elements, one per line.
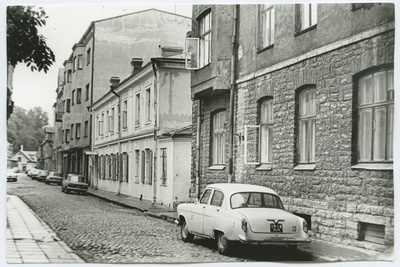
<point>11,176</point>
<point>35,174</point>
<point>42,175</point>
<point>54,177</point>
<point>74,182</point>
<point>249,214</point>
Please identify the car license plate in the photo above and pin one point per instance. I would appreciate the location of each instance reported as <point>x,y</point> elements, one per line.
<point>276,228</point>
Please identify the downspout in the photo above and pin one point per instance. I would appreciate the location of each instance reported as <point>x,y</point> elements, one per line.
<point>198,132</point>
<point>92,157</point>
<point>112,87</point>
<point>156,128</point>
<point>232,96</point>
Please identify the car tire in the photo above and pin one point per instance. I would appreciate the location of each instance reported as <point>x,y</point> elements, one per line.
<point>185,235</point>
<point>66,191</point>
<point>223,244</point>
<point>47,182</point>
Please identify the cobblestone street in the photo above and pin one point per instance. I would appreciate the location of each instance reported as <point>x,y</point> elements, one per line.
<point>101,232</point>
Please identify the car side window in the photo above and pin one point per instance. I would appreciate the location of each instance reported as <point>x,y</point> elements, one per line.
<point>217,198</point>
<point>205,196</point>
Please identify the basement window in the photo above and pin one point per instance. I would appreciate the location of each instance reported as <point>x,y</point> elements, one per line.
<point>374,233</point>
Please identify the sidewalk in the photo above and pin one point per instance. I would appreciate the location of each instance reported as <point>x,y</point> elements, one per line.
<point>30,240</point>
<point>324,251</point>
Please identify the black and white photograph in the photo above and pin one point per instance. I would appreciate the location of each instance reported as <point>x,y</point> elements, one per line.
<point>199,133</point>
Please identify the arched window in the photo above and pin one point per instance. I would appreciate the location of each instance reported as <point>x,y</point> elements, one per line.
<point>266,118</point>
<point>218,137</point>
<point>306,117</point>
<point>375,113</point>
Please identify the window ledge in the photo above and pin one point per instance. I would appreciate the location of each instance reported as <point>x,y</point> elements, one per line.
<point>217,167</point>
<point>264,167</point>
<point>306,30</point>
<point>265,48</point>
<point>305,167</point>
<point>373,166</point>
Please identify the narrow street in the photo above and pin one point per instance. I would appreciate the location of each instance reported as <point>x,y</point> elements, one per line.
<point>101,232</point>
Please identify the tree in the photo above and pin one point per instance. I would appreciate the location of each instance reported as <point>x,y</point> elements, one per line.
<point>26,128</point>
<point>24,43</point>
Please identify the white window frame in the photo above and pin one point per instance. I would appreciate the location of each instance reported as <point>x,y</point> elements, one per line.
<point>267,27</point>
<point>192,51</point>
<point>205,33</point>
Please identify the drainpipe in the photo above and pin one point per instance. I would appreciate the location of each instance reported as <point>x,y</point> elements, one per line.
<point>94,169</point>
<point>156,129</point>
<point>232,91</point>
<point>198,132</point>
<point>114,84</point>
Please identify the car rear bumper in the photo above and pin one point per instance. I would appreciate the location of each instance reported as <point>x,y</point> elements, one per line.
<point>77,189</point>
<point>274,240</point>
<point>59,181</point>
<point>11,179</point>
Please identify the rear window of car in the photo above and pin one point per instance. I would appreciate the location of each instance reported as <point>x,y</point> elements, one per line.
<point>57,174</point>
<point>75,178</point>
<point>255,200</point>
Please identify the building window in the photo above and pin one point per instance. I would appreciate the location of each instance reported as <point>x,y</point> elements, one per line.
<point>78,131</point>
<point>73,97</point>
<point>86,128</point>
<point>143,167</point>
<point>78,95</point>
<point>74,65</point>
<point>125,167</point>
<point>72,132</point>
<point>69,77</point>
<point>101,124</point>
<point>67,136</point>
<point>68,105</point>
<point>306,16</point>
<point>306,126</point>
<point>266,129</point>
<point>164,166</point>
<point>137,165</point>
<point>80,62</point>
<point>148,104</point>
<point>125,114</point>
<point>111,121</point>
<point>62,136</point>
<point>267,23</point>
<point>87,91</point>
<point>107,122</point>
<point>19,159</point>
<point>369,232</point>
<point>205,23</point>
<point>375,116</point>
<point>137,109</point>
<point>149,166</point>
<point>88,54</point>
<point>218,138</point>
<point>64,108</point>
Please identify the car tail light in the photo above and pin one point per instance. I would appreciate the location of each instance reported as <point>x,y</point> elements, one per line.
<point>305,227</point>
<point>244,225</point>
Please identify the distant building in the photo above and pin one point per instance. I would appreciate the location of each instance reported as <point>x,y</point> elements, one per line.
<point>103,51</point>
<point>45,150</point>
<point>23,160</point>
<point>300,98</point>
<point>142,132</point>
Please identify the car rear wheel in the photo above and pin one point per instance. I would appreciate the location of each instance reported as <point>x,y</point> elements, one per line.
<point>186,236</point>
<point>223,244</point>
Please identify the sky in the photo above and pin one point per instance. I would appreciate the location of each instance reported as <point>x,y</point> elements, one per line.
<point>65,26</point>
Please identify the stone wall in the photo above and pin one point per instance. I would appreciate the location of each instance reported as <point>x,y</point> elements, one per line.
<point>336,196</point>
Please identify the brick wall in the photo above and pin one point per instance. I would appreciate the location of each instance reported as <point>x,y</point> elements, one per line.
<point>336,196</point>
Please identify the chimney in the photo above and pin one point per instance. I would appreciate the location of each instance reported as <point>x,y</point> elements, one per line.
<point>22,148</point>
<point>114,82</point>
<point>136,63</point>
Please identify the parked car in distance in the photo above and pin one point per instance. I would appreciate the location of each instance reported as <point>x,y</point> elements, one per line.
<point>35,174</point>
<point>249,214</point>
<point>11,176</point>
<point>42,175</point>
<point>74,182</point>
<point>30,172</point>
<point>54,177</point>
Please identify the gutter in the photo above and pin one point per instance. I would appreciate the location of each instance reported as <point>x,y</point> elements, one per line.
<point>232,92</point>
<point>112,87</point>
